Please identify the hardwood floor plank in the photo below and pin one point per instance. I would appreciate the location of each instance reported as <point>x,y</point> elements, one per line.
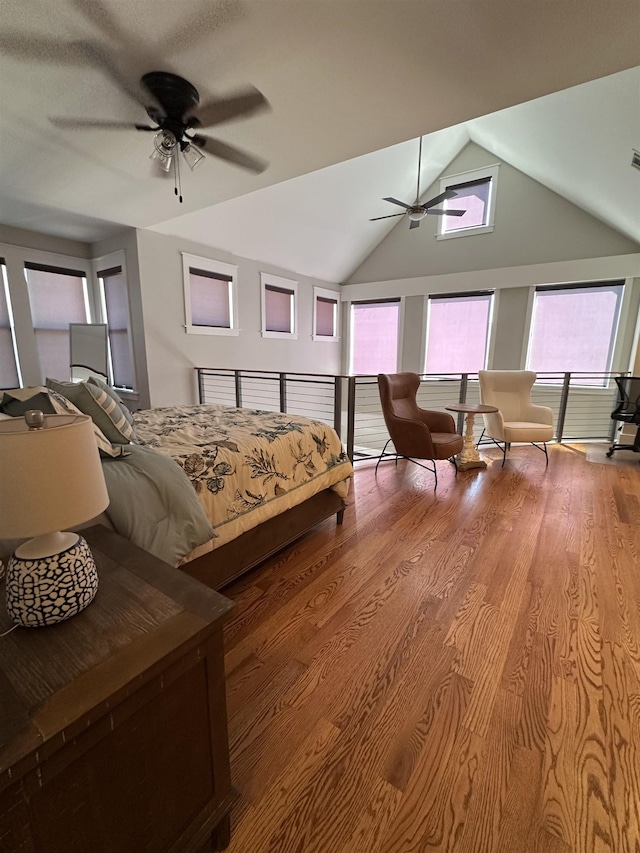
<point>519,812</point>
<point>623,752</point>
<point>454,671</point>
<point>368,835</point>
<point>482,825</point>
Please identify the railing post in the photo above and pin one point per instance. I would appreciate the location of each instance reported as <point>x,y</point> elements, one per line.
<point>464,381</point>
<point>283,392</point>
<point>564,399</point>
<point>238,388</point>
<point>200,386</point>
<point>351,416</point>
<point>337,404</point>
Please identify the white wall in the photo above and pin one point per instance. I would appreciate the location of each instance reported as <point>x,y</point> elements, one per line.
<point>172,354</point>
<point>538,238</point>
<point>533,225</point>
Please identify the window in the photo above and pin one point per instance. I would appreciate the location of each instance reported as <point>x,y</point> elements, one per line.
<point>374,337</point>
<point>476,192</point>
<point>209,296</point>
<point>9,366</point>
<point>458,332</point>
<point>326,314</point>
<point>278,307</point>
<point>57,296</point>
<point>115,310</point>
<point>574,328</point>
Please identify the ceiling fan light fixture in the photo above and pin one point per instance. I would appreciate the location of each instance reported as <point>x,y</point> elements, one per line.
<point>416,213</point>
<point>192,156</point>
<point>164,149</point>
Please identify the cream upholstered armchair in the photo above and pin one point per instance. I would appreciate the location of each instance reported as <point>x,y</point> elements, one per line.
<point>517,418</point>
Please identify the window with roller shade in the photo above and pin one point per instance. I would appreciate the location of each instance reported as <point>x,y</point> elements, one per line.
<point>326,314</point>
<point>374,336</point>
<point>115,307</point>
<point>210,296</point>
<point>278,306</point>
<point>57,297</point>
<point>574,328</point>
<point>476,195</point>
<point>9,365</point>
<point>458,332</point>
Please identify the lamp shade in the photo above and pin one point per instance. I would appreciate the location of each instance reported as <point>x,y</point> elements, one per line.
<point>50,478</point>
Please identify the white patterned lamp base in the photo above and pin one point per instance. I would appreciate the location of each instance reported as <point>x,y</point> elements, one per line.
<point>45,590</point>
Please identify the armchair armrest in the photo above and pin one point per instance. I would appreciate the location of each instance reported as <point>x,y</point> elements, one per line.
<point>410,437</point>
<point>494,425</point>
<point>538,414</point>
<point>438,421</point>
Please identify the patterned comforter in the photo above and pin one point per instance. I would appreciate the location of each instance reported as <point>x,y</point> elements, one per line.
<point>246,465</point>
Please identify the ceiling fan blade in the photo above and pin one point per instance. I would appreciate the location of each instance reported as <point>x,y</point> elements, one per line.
<point>97,13</point>
<point>207,18</point>
<point>96,56</point>
<point>437,199</point>
<point>395,201</point>
<point>415,223</point>
<point>229,153</point>
<point>98,124</point>
<point>390,216</point>
<point>436,212</point>
<point>243,104</point>
<point>42,49</point>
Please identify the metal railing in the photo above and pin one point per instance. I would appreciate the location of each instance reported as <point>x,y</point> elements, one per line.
<point>582,402</point>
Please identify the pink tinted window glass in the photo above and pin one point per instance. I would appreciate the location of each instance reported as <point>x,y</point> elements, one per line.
<point>8,370</point>
<point>278,307</point>
<point>325,317</point>
<point>57,299</point>
<point>210,304</point>
<point>574,330</point>
<point>457,334</point>
<point>115,297</point>
<point>375,337</point>
<point>473,198</point>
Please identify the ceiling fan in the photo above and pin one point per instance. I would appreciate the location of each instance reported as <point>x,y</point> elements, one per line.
<point>172,104</point>
<point>417,212</point>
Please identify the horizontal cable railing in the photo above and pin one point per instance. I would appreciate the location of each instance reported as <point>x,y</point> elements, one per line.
<point>581,402</point>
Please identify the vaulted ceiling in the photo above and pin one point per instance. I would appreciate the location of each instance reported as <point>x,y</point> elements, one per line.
<point>351,83</point>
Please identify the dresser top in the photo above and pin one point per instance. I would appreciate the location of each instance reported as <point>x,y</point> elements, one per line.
<point>54,679</point>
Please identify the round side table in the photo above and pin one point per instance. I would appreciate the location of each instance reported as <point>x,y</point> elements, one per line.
<point>469,456</point>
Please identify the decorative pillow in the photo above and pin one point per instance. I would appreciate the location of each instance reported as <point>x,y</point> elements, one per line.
<point>95,380</point>
<point>101,408</point>
<point>16,401</point>
<point>64,406</point>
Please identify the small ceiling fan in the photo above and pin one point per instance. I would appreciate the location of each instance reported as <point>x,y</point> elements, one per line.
<point>417,212</point>
<point>172,104</point>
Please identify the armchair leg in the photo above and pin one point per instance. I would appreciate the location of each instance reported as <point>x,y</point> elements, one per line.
<point>543,449</point>
<point>383,454</point>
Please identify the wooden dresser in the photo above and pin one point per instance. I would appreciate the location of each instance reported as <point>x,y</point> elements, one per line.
<point>113,725</point>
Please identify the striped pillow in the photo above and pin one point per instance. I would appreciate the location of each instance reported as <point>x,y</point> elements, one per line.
<point>94,380</point>
<point>63,406</point>
<point>100,407</point>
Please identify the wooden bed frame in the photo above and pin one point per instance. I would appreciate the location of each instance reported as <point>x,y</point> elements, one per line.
<point>226,563</point>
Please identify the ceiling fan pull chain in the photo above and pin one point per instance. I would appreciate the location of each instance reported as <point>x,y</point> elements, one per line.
<point>177,185</point>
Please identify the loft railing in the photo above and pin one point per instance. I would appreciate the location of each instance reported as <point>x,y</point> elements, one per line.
<point>582,402</point>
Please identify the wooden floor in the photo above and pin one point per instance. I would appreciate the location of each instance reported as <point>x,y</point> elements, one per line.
<point>449,671</point>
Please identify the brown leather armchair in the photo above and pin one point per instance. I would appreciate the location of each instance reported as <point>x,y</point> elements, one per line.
<point>416,433</point>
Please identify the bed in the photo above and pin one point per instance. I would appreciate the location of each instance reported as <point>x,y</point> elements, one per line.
<point>246,484</point>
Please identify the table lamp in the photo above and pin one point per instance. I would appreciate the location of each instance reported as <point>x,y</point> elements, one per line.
<point>50,479</point>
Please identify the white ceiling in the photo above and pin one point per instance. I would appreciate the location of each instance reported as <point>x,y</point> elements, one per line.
<point>344,78</point>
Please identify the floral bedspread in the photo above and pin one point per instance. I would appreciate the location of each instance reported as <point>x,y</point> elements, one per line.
<point>246,465</point>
